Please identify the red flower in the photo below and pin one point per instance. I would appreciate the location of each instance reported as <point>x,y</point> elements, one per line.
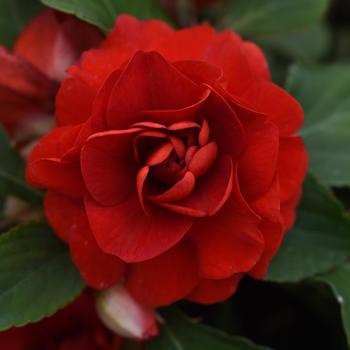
<point>29,77</point>
<point>174,167</point>
<point>76,327</point>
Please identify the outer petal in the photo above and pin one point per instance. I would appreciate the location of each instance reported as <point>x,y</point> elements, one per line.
<point>141,35</point>
<point>292,166</point>
<point>185,44</point>
<point>273,234</point>
<point>150,83</point>
<point>225,52</point>
<point>256,60</point>
<point>67,217</point>
<point>214,291</point>
<point>229,242</point>
<point>258,165</point>
<point>287,114</point>
<point>52,42</point>
<point>126,231</point>
<point>45,168</point>
<point>164,279</point>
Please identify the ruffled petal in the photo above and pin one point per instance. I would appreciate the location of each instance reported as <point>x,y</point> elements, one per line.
<point>292,166</point>
<point>229,242</point>
<point>210,193</point>
<point>150,83</point>
<point>185,44</point>
<point>108,166</point>
<point>273,233</point>
<point>214,291</point>
<point>287,114</point>
<point>164,279</point>
<point>140,35</point>
<point>126,231</point>
<point>46,169</point>
<point>258,165</point>
<point>68,219</point>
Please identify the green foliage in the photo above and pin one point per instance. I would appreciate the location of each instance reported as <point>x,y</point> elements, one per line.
<point>339,281</point>
<point>14,15</point>
<point>319,241</point>
<point>260,18</point>
<point>324,94</point>
<point>180,333</point>
<point>37,276</point>
<point>12,173</point>
<point>103,13</point>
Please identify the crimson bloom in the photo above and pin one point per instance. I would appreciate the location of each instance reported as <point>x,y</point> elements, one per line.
<point>174,167</point>
<point>29,77</point>
<point>76,327</point>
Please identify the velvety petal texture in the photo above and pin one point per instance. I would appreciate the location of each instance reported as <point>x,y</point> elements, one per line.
<point>174,169</point>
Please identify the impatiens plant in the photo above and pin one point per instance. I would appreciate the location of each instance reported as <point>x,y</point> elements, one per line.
<point>148,159</point>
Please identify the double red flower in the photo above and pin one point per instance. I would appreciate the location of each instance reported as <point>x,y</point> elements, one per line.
<point>174,167</point>
<point>30,76</point>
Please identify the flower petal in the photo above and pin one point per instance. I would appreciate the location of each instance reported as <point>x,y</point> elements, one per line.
<point>126,231</point>
<point>68,219</point>
<point>229,242</point>
<point>164,279</point>
<point>258,164</point>
<point>58,46</point>
<point>150,83</point>
<point>214,291</point>
<point>179,190</point>
<point>210,193</point>
<point>225,128</point>
<point>108,166</point>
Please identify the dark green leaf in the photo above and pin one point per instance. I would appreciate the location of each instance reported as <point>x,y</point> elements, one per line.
<point>339,281</point>
<point>37,276</point>
<point>14,15</point>
<point>319,241</point>
<point>103,13</point>
<point>264,17</point>
<point>179,333</point>
<point>305,45</point>
<point>12,173</point>
<point>324,94</point>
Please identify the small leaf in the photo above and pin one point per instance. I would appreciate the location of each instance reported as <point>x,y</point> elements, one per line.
<point>339,281</point>
<point>103,13</point>
<point>319,241</point>
<point>14,15</point>
<point>324,94</point>
<point>305,45</point>
<point>12,173</point>
<point>37,276</point>
<point>259,18</point>
<point>179,333</point>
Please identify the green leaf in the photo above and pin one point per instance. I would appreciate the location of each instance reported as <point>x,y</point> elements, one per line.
<point>37,276</point>
<point>323,92</point>
<point>12,168</point>
<point>179,333</point>
<point>103,13</point>
<point>339,281</point>
<point>305,45</point>
<point>320,240</point>
<point>14,15</point>
<point>264,17</point>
